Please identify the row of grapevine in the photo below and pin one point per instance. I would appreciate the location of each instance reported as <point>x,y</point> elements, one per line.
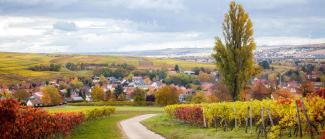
<point>303,115</point>
<point>99,112</point>
<point>33,123</point>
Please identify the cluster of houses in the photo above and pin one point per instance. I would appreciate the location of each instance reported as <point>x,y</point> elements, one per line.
<point>128,87</point>
<point>75,94</point>
<point>84,93</point>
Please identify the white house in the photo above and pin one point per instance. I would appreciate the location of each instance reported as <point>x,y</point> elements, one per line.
<point>35,99</point>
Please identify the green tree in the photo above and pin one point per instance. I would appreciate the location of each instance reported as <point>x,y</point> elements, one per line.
<point>198,98</point>
<point>76,84</point>
<point>97,93</point>
<point>176,68</point>
<point>181,79</point>
<point>118,91</point>
<point>196,70</point>
<point>166,95</point>
<point>139,95</point>
<point>234,56</point>
<point>108,95</point>
<point>188,98</point>
<point>265,64</point>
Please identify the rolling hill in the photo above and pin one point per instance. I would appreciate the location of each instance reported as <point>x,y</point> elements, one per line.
<point>14,66</point>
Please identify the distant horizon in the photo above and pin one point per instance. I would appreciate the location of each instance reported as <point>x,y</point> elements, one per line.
<point>176,48</point>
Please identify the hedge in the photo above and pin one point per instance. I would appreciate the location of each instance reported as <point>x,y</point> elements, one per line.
<point>27,122</point>
<point>34,123</point>
<point>99,112</point>
<point>113,103</point>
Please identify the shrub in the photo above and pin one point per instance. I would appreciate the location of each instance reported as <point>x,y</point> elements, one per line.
<point>139,95</point>
<point>27,122</point>
<point>112,103</point>
<point>181,79</point>
<point>198,98</point>
<point>99,112</point>
<point>51,67</point>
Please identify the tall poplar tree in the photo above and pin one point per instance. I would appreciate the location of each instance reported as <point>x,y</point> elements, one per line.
<point>234,55</point>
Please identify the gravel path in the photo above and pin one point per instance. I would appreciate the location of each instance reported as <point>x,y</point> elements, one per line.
<point>133,129</point>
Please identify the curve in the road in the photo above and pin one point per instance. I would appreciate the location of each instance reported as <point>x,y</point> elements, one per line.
<point>133,129</point>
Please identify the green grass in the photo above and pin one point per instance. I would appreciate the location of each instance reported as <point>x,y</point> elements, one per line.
<point>70,108</point>
<point>105,128</point>
<point>67,108</point>
<point>172,129</point>
<point>139,109</point>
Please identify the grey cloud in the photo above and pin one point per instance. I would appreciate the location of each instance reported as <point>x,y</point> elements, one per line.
<point>124,23</point>
<point>65,26</point>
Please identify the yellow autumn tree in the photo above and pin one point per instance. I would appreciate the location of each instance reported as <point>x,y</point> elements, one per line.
<point>234,54</point>
<point>97,93</point>
<point>166,95</point>
<point>51,95</point>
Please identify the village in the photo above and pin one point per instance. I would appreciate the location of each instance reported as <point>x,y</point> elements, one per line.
<point>196,85</point>
<point>162,69</point>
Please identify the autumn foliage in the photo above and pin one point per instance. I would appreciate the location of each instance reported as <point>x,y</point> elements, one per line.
<point>321,93</point>
<point>231,114</point>
<point>191,114</point>
<point>167,95</point>
<point>27,122</point>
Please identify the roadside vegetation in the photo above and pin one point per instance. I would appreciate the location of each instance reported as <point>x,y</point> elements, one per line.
<point>106,127</point>
<point>175,129</point>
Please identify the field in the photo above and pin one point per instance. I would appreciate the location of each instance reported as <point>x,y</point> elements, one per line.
<point>14,66</point>
<point>271,118</point>
<point>105,127</point>
<point>174,129</point>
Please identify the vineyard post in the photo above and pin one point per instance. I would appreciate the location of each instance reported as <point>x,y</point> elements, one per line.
<point>204,121</point>
<point>215,123</point>
<point>262,116</point>
<point>235,116</point>
<point>270,117</point>
<point>298,117</point>
<point>307,118</point>
<point>250,119</point>
<point>225,120</point>
<point>246,120</point>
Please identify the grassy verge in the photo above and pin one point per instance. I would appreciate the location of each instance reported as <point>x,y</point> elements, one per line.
<point>104,128</point>
<point>173,129</point>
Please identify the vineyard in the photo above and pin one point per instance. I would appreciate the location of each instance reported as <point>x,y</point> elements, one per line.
<point>27,122</point>
<point>268,118</point>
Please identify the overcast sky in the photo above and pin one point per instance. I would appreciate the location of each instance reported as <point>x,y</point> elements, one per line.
<point>123,25</point>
